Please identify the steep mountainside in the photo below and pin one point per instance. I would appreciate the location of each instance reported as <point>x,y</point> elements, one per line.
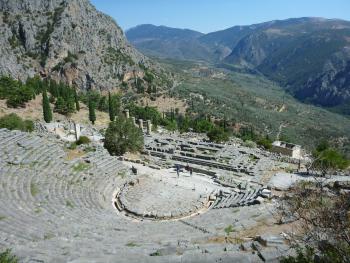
<point>309,57</point>
<point>167,42</point>
<point>67,40</point>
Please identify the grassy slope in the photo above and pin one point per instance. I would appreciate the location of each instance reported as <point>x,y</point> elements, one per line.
<point>253,99</point>
<point>33,111</point>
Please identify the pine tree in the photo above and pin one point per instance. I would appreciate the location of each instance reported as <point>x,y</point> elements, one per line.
<point>77,106</point>
<point>60,106</point>
<point>46,108</point>
<point>70,105</point>
<point>92,114</point>
<point>111,107</point>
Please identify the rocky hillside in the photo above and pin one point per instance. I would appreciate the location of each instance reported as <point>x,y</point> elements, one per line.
<point>309,57</point>
<point>68,40</point>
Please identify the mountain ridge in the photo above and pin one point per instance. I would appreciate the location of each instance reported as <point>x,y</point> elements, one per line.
<point>159,40</point>
<point>308,56</point>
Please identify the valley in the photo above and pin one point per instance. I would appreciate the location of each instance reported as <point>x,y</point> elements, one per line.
<point>308,57</point>
<point>161,144</point>
<point>253,100</point>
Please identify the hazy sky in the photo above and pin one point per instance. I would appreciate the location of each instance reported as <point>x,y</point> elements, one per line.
<point>211,15</point>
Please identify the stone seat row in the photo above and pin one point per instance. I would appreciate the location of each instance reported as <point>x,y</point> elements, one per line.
<point>237,199</point>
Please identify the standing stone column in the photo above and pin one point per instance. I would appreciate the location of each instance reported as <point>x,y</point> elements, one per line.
<point>133,120</point>
<point>77,131</point>
<point>149,127</point>
<point>127,114</point>
<point>141,124</point>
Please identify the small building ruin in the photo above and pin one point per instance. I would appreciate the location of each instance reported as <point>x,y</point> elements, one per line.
<point>285,148</point>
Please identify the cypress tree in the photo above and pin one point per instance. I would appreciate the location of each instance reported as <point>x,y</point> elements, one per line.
<point>116,104</point>
<point>77,106</point>
<point>46,108</point>
<point>111,107</point>
<point>149,90</point>
<point>92,114</point>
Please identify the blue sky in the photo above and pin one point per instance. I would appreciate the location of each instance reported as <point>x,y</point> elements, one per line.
<point>211,15</point>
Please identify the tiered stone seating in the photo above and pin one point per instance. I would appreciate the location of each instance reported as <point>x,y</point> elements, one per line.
<point>53,212</point>
<point>235,199</point>
<point>38,188</point>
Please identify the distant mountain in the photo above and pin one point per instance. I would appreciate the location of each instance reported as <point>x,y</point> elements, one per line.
<point>67,40</point>
<point>167,42</point>
<point>224,41</point>
<point>310,57</point>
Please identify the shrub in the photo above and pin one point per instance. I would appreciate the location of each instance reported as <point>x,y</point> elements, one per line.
<point>83,140</point>
<point>7,257</point>
<point>331,159</point>
<point>302,256</point>
<point>122,136</point>
<point>218,135</point>
<point>249,144</point>
<point>14,122</point>
<point>325,216</point>
<point>28,125</point>
<point>265,142</point>
<point>72,146</point>
<point>170,125</point>
<point>327,158</point>
<point>203,126</point>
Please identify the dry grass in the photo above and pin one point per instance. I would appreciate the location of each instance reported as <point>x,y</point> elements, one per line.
<point>264,227</point>
<point>165,104</point>
<point>33,111</point>
<point>74,154</point>
<point>102,118</point>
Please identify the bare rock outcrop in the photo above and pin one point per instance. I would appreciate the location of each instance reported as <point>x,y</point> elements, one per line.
<point>67,40</point>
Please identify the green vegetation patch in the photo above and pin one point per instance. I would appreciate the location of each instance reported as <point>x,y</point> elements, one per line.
<point>48,236</point>
<point>155,254</point>
<point>69,204</point>
<point>81,167</point>
<point>116,56</point>
<point>14,122</point>
<point>17,93</point>
<point>123,136</point>
<point>33,189</point>
<point>8,257</point>
<point>83,140</point>
<point>229,230</point>
<point>253,101</point>
<point>132,244</point>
